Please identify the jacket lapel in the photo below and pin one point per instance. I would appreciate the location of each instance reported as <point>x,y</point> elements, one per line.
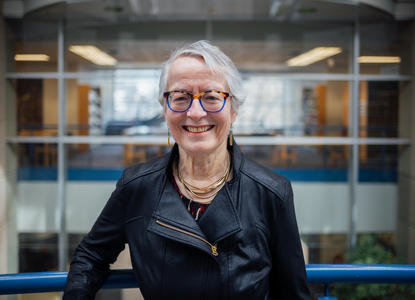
<point>172,209</point>
<point>171,219</point>
<point>220,220</point>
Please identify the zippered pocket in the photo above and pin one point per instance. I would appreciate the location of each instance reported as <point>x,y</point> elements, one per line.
<point>213,248</point>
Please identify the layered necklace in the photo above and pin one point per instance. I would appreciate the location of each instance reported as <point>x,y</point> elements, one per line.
<point>207,191</point>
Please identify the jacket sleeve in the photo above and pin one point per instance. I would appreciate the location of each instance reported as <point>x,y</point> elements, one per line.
<point>288,277</point>
<point>90,263</point>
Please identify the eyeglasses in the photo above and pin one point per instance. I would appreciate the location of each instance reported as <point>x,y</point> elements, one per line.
<point>211,101</point>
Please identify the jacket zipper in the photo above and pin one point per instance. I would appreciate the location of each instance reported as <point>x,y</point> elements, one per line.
<point>214,248</point>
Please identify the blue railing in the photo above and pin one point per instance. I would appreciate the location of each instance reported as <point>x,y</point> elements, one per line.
<point>119,279</point>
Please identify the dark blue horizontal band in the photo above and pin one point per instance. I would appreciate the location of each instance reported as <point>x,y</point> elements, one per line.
<point>295,175</point>
<point>322,274</point>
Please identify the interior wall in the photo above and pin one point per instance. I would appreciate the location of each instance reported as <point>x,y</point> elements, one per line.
<point>411,125</point>
<point>334,104</point>
<point>406,171</point>
<point>50,102</point>
<point>8,236</point>
<point>3,198</point>
<point>72,101</point>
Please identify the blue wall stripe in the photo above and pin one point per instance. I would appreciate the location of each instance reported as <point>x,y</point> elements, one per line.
<point>306,175</point>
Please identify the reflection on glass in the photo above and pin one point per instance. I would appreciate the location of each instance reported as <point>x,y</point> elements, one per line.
<point>32,46</point>
<point>385,39</point>
<point>326,248</point>
<point>270,46</point>
<point>378,163</point>
<point>102,159</point>
<point>303,163</point>
<point>136,95</point>
<point>275,106</point>
<point>260,45</point>
<point>92,172</point>
<point>319,176</point>
<point>36,106</point>
<point>127,104</point>
<point>88,105</point>
<point>124,104</point>
<point>137,45</point>
<point>37,161</point>
<point>36,206</point>
<point>380,111</point>
<point>38,252</point>
<point>378,198</point>
<point>375,248</point>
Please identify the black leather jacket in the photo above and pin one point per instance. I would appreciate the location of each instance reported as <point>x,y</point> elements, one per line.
<point>245,245</point>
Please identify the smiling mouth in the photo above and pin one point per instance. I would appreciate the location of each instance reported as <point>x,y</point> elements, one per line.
<point>198,129</point>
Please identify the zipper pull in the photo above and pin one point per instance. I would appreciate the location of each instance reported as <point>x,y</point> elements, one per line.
<point>214,250</point>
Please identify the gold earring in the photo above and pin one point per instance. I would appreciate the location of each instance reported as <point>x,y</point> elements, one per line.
<point>230,137</point>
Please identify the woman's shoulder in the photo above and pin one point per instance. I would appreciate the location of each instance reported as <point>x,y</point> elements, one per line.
<point>266,177</point>
<point>137,171</point>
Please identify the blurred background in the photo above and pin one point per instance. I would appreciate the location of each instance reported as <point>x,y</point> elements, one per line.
<point>329,104</point>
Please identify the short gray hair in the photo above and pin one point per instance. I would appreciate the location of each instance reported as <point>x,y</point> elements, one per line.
<point>217,61</point>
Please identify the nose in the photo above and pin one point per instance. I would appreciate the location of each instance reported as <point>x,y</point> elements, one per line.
<point>196,110</point>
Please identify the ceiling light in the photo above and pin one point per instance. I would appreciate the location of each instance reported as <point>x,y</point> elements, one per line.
<point>31,57</point>
<point>313,56</point>
<point>379,59</point>
<point>94,55</point>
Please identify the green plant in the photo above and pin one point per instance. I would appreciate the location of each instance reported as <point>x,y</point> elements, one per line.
<point>370,250</point>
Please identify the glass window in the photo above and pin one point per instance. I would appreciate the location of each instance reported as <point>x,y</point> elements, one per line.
<point>325,248</point>
<point>273,46</point>
<point>262,45</point>
<point>36,201</point>
<point>385,48</point>
<point>319,176</point>
<point>38,252</point>
<point>384,109</point>
<point>35,106</point>
<point>93,170</point>
<point>133,45</point>
<point>31,46</point>
<point>275,106</point>
<point>124,104</point>
<point>127,104</point>
<point>37,161</point>
<point>377,192</point>
<point>36,206</point>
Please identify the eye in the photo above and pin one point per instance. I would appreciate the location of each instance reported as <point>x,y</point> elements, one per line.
<point>179,97</point>
<point>212,96</point>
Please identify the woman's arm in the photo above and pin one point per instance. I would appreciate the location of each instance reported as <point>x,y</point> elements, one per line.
<point>90,263</point>
<point>288,280</point>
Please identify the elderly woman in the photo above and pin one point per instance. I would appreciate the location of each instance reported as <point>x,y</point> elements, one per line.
<point>203,221</point>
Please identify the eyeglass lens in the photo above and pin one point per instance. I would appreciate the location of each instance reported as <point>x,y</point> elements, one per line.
<point>211,101</point>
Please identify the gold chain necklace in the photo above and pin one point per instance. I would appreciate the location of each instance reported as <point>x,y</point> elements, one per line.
<point>208,191</point>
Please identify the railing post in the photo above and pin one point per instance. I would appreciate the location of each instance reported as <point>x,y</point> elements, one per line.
<point>326,294</point>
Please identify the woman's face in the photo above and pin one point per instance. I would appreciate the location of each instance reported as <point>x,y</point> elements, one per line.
<point>195,130</point>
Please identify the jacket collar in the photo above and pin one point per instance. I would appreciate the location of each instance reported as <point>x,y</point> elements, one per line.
<point>219,221</point>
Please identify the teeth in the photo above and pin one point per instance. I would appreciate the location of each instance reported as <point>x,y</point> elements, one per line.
<point>198,129</point>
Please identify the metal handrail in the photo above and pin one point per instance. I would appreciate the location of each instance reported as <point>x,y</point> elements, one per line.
<point>119,279</point>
